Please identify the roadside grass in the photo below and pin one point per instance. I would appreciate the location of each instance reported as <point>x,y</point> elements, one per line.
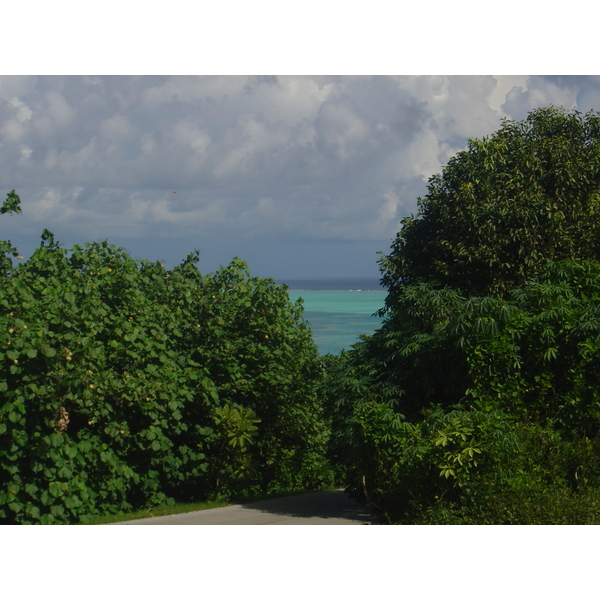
<point>175,509</point>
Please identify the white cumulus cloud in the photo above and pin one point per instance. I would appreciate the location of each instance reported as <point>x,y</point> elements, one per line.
<point>235,161</point>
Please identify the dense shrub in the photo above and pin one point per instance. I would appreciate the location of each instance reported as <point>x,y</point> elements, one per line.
<point>124,384</point>
<point>481,410</point>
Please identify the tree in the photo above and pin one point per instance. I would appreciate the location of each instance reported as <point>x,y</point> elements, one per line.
<point>477,400</point>
<point>527,195</point>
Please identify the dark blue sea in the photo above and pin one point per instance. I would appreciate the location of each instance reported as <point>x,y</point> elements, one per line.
<point>339,310</point>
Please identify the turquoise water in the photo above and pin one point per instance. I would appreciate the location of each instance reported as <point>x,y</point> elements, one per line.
<point>338,317</point>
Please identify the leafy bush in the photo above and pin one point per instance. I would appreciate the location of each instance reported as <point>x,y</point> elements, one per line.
<point>482,408</point>
<point>126,385</point>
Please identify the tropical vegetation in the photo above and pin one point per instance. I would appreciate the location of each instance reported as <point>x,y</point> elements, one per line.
<point>127,385</point>
<point>477,401</point>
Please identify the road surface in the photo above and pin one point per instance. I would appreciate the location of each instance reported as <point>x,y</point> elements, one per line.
<point>319,508</point>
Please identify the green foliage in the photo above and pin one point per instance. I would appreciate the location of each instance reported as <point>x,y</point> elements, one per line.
<point>477,410</point>
<point>234,431</point>
<point>127,385</point>
<point>477,399</point>
<point>10,205</point>
<point>501,209</point>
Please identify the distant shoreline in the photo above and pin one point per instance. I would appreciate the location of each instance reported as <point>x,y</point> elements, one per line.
<point>364,284</point>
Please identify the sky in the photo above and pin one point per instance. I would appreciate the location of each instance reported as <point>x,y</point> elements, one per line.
<point>300,176</point>
<point>296,138</point>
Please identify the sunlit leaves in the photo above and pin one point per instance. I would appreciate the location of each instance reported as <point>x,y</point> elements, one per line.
<point>504,207</point>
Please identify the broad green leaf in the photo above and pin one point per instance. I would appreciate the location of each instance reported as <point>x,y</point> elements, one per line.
<point>55,489</point>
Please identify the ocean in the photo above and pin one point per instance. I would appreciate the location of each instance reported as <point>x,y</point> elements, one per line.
<point>339,310</point>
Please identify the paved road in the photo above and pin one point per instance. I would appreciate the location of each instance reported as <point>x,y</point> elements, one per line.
<point>320,508</point>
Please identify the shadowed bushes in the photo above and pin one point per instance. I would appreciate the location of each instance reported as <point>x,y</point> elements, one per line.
<point>127,385</point>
